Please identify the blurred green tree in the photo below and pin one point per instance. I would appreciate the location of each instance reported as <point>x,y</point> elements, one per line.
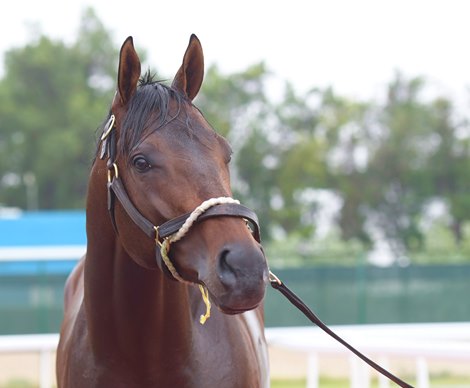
<point>413,153</point>
<point>350,134</point>
<point>397,167</point>
<point>52,98</point>
<point>449,164</point>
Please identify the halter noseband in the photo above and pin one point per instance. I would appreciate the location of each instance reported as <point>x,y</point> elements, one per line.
<point>170,231</point>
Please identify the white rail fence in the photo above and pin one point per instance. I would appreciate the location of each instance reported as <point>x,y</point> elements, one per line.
<point>421,342</point>
<point>44,344</point>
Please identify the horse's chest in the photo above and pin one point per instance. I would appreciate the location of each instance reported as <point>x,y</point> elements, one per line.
<point>228,352</point>
<point>235,355</point>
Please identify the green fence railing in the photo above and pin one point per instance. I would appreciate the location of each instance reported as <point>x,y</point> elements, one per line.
<point>32,302</point>
<point>366,294</point>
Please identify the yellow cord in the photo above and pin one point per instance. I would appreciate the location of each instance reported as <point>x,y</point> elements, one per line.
<point>164,247</point>
<point>207,302</point>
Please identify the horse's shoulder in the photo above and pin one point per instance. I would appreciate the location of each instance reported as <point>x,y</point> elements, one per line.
<point>73,291</point>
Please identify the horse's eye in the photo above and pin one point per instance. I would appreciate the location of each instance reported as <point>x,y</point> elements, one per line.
<point>141,164</point>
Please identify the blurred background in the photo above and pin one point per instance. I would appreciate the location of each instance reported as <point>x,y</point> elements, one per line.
<point>350,128</point>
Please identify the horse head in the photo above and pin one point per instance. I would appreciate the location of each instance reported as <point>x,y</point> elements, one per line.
<point>169,161</point>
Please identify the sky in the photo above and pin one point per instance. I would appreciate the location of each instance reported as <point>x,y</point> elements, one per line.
<point>353,45</point>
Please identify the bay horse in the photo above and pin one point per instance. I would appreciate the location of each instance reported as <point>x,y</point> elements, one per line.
<point>127,321</point>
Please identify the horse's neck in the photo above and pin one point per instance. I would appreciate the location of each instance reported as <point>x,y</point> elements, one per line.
<point>130,310</point>
<point>134,312</point>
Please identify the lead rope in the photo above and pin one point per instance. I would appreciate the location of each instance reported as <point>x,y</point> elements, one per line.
<point>165,247</point>
<point>297,302</point>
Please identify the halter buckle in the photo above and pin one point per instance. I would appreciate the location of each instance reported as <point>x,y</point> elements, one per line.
<point>157,237</point>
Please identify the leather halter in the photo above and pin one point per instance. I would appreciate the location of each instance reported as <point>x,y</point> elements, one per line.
<point>117,190</point>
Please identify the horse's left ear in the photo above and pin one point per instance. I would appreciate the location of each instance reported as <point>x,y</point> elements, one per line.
<point>189,77</point>
<point>129,71</point>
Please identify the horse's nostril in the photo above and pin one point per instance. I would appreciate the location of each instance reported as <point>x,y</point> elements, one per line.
<point>226,270</point>
<point>223,259</point>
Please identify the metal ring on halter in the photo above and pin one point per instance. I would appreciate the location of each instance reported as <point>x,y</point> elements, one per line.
<point>273,278</point>
<point>109,127</point>
<point>116,172</point>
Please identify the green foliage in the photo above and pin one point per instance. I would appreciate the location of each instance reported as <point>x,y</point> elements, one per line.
<point>52,99</point>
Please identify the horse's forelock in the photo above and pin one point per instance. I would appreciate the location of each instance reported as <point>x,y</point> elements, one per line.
<point>148,108</point>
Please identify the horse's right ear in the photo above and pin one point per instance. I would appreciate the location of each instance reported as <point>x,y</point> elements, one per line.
<point>129,71</point>
<point>189,77</point>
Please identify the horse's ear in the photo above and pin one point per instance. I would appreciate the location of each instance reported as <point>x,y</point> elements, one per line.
<point>189,77</point>
<point>129,71</point>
